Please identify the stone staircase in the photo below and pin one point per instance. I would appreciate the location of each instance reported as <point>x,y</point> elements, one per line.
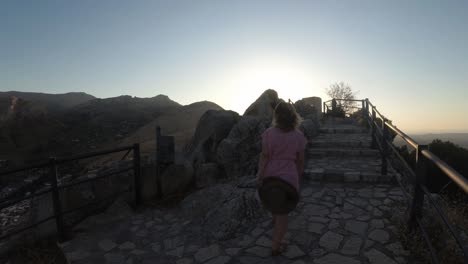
<point>343,153</point>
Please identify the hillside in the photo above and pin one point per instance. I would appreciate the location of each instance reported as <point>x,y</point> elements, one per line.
<point>180,123</point>
<point>35,129</point>
<point>51,101</point>
<point>460,139</point>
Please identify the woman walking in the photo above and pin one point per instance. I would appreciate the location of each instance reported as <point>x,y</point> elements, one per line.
<point>280,168</point>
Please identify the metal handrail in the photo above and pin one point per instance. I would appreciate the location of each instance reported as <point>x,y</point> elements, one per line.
<point>420,190</point>
<point>448,170</point>
<point>55,188</point>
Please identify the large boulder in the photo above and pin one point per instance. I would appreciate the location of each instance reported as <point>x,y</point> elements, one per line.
<point>307,109</point>
<point>238,153</point>
<point>176,178</point>
<point>264,106</point>
<point>223,209</point>
<point>212,127</point>
<point>207,174</point>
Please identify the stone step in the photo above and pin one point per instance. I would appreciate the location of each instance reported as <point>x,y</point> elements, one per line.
<point>343,130</point>
<point>340,143</point>
<point>336,175</point>
<point>350,164</point>
<point>342,152</point>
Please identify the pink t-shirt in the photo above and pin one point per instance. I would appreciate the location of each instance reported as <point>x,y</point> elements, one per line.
<point>282,148</point>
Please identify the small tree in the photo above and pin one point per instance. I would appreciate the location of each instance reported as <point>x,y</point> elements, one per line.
<point>342,91</point>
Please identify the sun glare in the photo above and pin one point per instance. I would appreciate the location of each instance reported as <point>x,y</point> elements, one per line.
<point>291,82</point>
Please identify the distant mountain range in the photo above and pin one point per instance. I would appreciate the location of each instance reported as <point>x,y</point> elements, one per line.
<point>460,139</point>
<point>34,126</point>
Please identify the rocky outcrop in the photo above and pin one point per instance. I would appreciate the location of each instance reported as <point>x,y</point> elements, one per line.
<point>222,209</point>
<point>213,127</point>
<point>176,179</point>
<point>264,106</point>
<point>238,152</point>
<point>207,174</point>
<point>305,109</point>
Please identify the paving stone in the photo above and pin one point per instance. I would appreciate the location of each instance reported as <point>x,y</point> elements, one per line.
<point>318,219</point>
<point>401,260</point>
<point>263,241</point>
<point>246,240</point>
<point>178,252</point>
<point>376,257</point>
<point>293,252</point>
<point>156,247</point>
<point>250,260</point>
<point>298,262</point>
<point>232,251</point>
<point>142,233</point>
<point>330,240</point>
<point>368,244</point>
<point>352,246</point>
<point>207,253</point>
<point>107,244</point>
<point>317,252</point>
<point>315,210</point>
<point>257,231</point>
<point>297,223</point>
<point>397,249</point>
<point>356,227</point>
<point>358,202</point>
<point>114,258</point>
<point>307,192</point>
<point>184,261</point>
<point>137,252</point>
<point>346,216</point>
<point>192,248</point>
<point>259,251</point>
<point>219,260</point>
<point>172,243</point>
<point>377,223</point>
<point>379,235</point>
<point>363,218</point>
<point>127,246</point>
<point>377,212</point>
<point>149,224</point>
<point>316,228</point>
<point>77,255</point>
<point>333,258</point>
<point>333,224</point>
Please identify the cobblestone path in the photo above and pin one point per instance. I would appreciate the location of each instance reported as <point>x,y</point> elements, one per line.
<point>340,219</point>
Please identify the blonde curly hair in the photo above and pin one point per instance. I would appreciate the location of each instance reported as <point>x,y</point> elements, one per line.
<point>285,116</point>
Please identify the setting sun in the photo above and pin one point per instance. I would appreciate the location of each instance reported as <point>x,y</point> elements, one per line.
<point>250,80</point>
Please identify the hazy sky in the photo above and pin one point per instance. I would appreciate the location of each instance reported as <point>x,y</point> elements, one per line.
<point>409,57</point>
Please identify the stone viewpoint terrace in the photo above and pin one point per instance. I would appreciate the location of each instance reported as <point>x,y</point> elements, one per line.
<point>346,215</point>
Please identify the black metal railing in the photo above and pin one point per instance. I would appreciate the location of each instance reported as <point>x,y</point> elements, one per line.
<point>54,188</point>
<point>381,127</point>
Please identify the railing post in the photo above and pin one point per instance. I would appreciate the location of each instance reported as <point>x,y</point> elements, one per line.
<point>418,197</point>
<point>333,105</point>
<point>363,108</point>
<point>158,164</point>
<point>384,146</point>
<point>373,127</point>
<point>137,176</point>
<point>367,108</point>
<point>56,200</point>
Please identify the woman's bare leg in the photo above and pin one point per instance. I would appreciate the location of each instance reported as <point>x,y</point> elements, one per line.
<point>279,230</point>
